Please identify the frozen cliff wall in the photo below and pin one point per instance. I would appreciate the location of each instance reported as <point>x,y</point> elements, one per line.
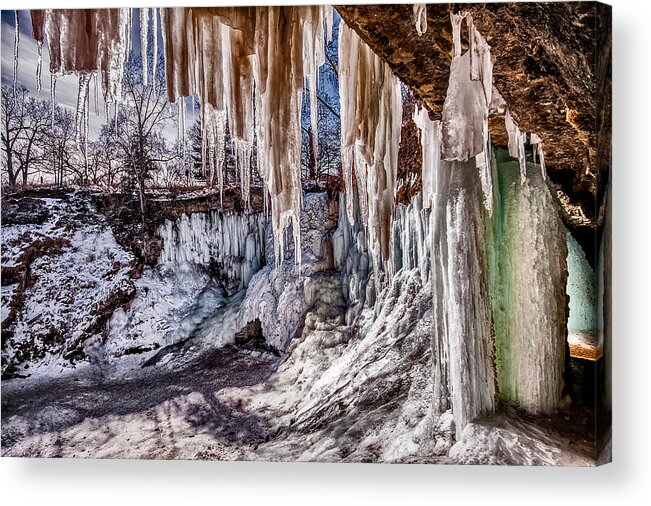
<point>280,295</point>
<point>232,245</point>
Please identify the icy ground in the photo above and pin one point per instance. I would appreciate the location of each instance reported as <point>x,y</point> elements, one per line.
<point>339,394</point>
<point>170,380</point>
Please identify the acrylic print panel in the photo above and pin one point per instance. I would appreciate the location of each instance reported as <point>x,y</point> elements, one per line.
<point>352,234</point>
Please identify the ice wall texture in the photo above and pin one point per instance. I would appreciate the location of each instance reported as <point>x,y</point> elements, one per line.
<point>527,254</point>
<point>581,288</point>
<point>231,244</point>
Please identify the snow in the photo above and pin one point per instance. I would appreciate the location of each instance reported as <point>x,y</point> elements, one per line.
<point>171,303</point>
<point>69,289</point>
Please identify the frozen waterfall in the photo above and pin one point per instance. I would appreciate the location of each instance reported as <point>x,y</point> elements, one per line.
<point>231,244</point>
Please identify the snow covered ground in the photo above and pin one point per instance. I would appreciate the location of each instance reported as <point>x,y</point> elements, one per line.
<point>357,393</point>
<point>169,380</point>
<point>72,272</point>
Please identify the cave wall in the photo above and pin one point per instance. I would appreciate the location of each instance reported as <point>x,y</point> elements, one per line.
<point>552,65</point>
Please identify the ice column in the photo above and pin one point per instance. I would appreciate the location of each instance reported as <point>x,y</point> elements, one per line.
<point>529,275</point>
<point>462,345</point>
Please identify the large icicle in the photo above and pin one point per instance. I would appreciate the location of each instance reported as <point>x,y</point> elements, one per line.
<point>81,113</point>
<point>144,38</point>
<point>39,64</point>
<point>16,41</point>
<point>461,343</point>
<point>537,144</point>
<point>420,18</point>
<point>53,85</point>
<point>469,95</point>
<point>430,141</point>
<point>154,29</point>
<point>516,144</point>
<point>371,119</point>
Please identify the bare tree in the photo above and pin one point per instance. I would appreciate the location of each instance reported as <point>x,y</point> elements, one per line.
<point>25,121</point>
<point>145,112</point>
<point>59,147</point>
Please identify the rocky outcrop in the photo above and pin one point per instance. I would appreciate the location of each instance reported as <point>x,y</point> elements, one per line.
<point>552,66</point>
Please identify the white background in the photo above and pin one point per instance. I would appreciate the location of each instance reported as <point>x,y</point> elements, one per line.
<point>625,482</point>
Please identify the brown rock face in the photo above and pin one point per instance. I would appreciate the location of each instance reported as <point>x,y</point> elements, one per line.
<point>551,64</point>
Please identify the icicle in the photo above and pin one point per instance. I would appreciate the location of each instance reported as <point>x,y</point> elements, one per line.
<point>243,150</point>
<point>484,164</point>
<point>129,25</point>
<point>53,85</point>
<point>16,40</point>
<point>328,15</point>
<point>154,13</point>
<point>420,18</point>
<point>456,20</point>
<point>516,144</point>
<point>537,143</point>
<point>144,37</point>
<point>430,141</point>
<point>96,94</point>
<point>39,64</point>
<point>81,111</point>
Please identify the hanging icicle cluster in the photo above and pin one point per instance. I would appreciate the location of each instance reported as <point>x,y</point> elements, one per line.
<point>85,42</point>
<point>371,120</point>
<point>247,66</point>
<point>464,124</point>
<point>246,62</point>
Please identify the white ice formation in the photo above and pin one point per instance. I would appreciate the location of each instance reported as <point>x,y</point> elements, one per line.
<point>231,244</point>
<point>420,18</point>
<point>371,120</point>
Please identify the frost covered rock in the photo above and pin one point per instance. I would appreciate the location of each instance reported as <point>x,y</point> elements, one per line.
<point>277,295</point>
